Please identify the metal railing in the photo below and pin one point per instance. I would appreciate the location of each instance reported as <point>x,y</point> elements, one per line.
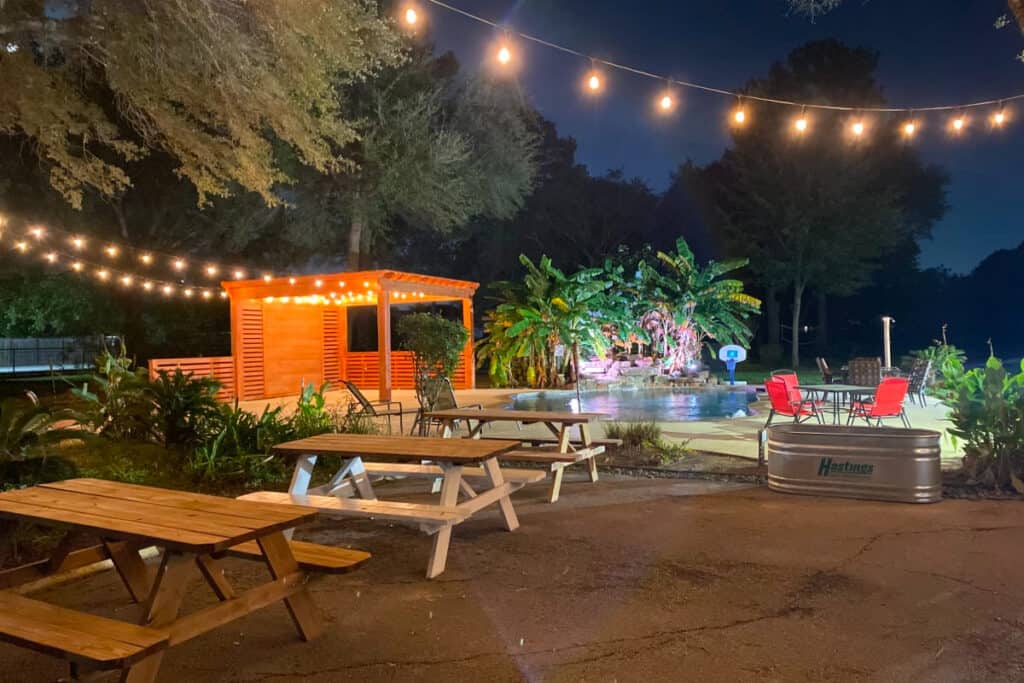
<point>43,355</point>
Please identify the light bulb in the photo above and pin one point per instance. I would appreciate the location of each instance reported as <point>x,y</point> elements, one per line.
<point>112,251</point>
<point>207,294</point>
<point>268,277</point>
<point>291,281</point>
<point>168,290</point>
<point>504,55</point>
<point>179,264</point>
<point>223,295</point>
<point>239,274</point>
<point>858,128</point>
<point>188,293</point>
<point>102,274</point>
<point>37,232</point>
<point>51,257</point>
<point>146,259</point>
<point>126,280</point>
<point>78,242</point>
<point>800,124</point>
<point>959,123</point>
<point>739,116</point>
<point>909,128</point>
<point>666,103</point>
<point>318,283</point>
<point>999,118</point>
<point>148,286</point>
<point>411,16</point>
<point>77,266</point>
<point>594,82</point>
<point>21,246</point>
<point>211,270</point>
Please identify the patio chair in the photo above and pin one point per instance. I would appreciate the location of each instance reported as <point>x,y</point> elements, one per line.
<point>784,404</point>
<point>920,371</point>
<point>444,400</point>
<point>364,406</point>
<point>888,403</point>
<point>826,372</point>
<point>865,372</point>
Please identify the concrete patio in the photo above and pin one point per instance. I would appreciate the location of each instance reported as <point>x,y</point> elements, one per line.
<point>636,581</point>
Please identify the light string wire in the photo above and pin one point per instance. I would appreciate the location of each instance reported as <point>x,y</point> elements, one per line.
<point>711,89</point>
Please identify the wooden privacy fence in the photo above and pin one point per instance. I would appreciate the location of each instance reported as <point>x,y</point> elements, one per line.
<point>221,368</point>
<point>361,368</point>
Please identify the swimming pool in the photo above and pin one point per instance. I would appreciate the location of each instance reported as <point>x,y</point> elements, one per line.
<point>660,405</point>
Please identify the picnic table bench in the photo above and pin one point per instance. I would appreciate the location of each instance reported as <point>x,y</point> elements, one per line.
<point>467,467</point>
<point>565,450</point>
<point>194,532</point>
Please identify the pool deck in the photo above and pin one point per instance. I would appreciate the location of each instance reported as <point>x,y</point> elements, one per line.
<point>730,436</point>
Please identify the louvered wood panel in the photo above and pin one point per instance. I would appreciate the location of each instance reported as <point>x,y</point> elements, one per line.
<point>221,368</point>
<point>361,370</point>
<point>332,346</point>
<point>253,379</point>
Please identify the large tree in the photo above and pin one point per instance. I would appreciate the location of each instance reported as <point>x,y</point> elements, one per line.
<point>215,84</point>
<point>819,209</point>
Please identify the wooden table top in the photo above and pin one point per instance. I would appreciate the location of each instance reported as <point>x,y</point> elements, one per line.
<point>501,415</point>
<point>386,448</point>
<point>188,522</point>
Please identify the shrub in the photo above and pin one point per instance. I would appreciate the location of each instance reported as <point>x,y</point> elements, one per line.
<point>186,407</point>
<point>987,411</point>
<point>26,430</point>
<point>641,436</point>
<point>118,400</point>
<point>436,345</point>
<point>311,415</point>
<point>941,355</point>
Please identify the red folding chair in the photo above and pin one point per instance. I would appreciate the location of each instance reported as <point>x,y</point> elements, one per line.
<point>783,402</point>
<point>888,403</point>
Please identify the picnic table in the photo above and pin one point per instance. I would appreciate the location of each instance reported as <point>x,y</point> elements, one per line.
<point>469,467</point>
<point>563,450</point>
<point>837,393</point>
<point>194,532</point>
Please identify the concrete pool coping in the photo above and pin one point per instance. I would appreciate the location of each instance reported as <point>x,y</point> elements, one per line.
<point>729,436</point>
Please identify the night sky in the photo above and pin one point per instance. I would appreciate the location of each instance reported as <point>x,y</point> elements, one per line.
<point>932,52</point>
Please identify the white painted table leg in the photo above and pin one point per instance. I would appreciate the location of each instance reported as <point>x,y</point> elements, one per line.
<point>496,478</point>
<point>301,477</point>
<point>442,539</point>
<point>556,482</point>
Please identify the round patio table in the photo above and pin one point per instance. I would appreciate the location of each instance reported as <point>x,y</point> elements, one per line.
<point>837,392</point>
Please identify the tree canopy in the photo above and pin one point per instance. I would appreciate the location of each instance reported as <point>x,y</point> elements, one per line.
<point>215,84</point>
<point>819,209</point>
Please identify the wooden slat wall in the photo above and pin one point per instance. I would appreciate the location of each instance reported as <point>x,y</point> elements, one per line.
<point>332,346</point>
<point>361,370</point>
<point>253,377</point>
<point>221,368</point>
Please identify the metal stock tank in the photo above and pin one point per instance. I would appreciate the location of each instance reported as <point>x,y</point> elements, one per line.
<point>875,463</point>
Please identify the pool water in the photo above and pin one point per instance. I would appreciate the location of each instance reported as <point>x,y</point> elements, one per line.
<point>660,405</point>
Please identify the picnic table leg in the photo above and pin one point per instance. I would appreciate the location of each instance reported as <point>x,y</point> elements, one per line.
<point>300,605</point>
<point>301,477</point>
<point>442,539</point>
<point>496,479</point>
<point>592,460</point>
<point>137,577</point>
<point>162,609</point>
<point>556,481</point>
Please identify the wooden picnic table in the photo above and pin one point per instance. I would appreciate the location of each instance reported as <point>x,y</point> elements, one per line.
<point>457,462</point>
<point>560,424</point>
<point>192,530</point>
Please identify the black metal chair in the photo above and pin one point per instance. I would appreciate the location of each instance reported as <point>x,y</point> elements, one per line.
<point>443,399</point>
<point>364,406</point>
<point>920,372</point>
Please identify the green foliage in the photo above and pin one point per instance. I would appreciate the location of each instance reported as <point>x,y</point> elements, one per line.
<point>185,406</point>
<point>27,430</point>
<point>645,436</point>
<point>942,356</point>
<point>437,345</point>
<point>38,304</point>
<point>213,84</point>
<point>118,400</point>
<point>532,319</point>
<point>987,411</point>
<point>311,416</point>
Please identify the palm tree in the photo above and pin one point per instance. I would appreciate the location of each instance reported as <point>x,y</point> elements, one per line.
<point>547,310</point>
<point>689,305</point>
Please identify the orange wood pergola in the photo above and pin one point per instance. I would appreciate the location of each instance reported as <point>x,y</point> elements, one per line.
<point>289,330</point>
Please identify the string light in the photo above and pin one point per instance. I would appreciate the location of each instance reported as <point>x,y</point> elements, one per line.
<point>126,280</point>
<point>267,277</point>
<point>148,286</point>
<point>318,283</point>
<point>78,243</point>
<point>504,56</point>
<point>179,264</point>
<point>666,103</point>
<point>909,129</point>
<point>51,257</point>
<point>999,118</point>
<point>21,246</point>
<point>411,16</point>
<point>188,292</point>
<point>239,274</point>
<point>857,128</point>
<point>37,232</point>
<point>291,281</point>
<point>103,274</point>
<point>211,270</point>
<point>167,290</point>
<point>112,251</point>
<point>958,123</point>
<point>77,266</point>
<point>801,123</point>
<point>147,259</point>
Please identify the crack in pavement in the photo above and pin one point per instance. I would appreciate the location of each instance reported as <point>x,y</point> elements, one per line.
<point>660,637</point>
